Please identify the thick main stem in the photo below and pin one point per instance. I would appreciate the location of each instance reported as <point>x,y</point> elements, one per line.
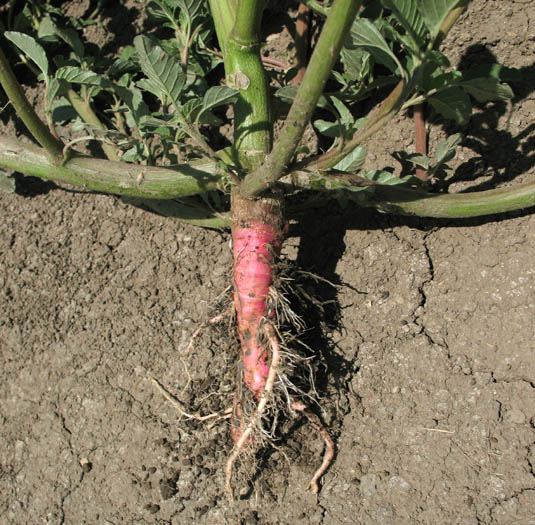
<point>325,54</point>
<point>245,72</point>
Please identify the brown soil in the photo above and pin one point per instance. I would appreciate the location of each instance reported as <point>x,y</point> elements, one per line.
<point>430,385</point>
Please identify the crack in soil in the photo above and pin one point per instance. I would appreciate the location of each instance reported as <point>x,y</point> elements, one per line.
<point>419,311</point>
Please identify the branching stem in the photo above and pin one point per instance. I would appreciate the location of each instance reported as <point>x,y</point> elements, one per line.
<point>325,54</point>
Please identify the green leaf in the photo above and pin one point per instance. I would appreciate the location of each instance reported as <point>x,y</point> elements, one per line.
<point>7,182</point>
<point>77,75</point>
<point>485,89</point>
<point>445,150</point>
<point>163,70</point>
<point>56,87</point>
<point>357,62</point>
<point>48,29</point>
<point>364,34</point>
<point>407,14</point>
<point>439,80</point>
<point>62,111</point>
<point>412,159</point>
<point>146,84</point>
<point>191,109</point>
<point>346,117</point>
<point>435,12</point>
<point>133,99</point>
<point>155,122</point>
<point>353,161</point>
<point>452,103</point>
<point>329,129</point>
<point>217,96</point>
<point>31,48</point>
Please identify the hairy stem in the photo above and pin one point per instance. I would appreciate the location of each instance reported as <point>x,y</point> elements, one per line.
<point>25,111</point>
<point>325,54</point>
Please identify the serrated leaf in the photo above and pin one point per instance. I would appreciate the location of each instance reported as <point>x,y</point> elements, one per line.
<point>439,80</point>
<point>77,75</point>
<point>416,159</point>
<point>434,12</point>
<point>157,122</point>
<point>29,46</point>
<point>162,69</point>
<point>121,66</point>
<point>364,34</point>
<point>146,84</point>
<point>353,161</point>
<point>452,103</point>
<point>407,14</point>
<point>216,96</point>
<point>7,182</point>
<point>191,109</point>
<point>485,89</point>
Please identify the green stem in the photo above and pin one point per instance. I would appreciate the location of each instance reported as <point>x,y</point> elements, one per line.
<point>454,206</point>
<point>247,21</point>
<point>399,200</point>
<point>325,54</point>
<point>316,7</point>
<point>113,177</point>
<point>448,23</point>
<point>223,15</point>
<point>25,111</point>
<point>88,115</point>
<point>245,72</point>
<point>201,176</point>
